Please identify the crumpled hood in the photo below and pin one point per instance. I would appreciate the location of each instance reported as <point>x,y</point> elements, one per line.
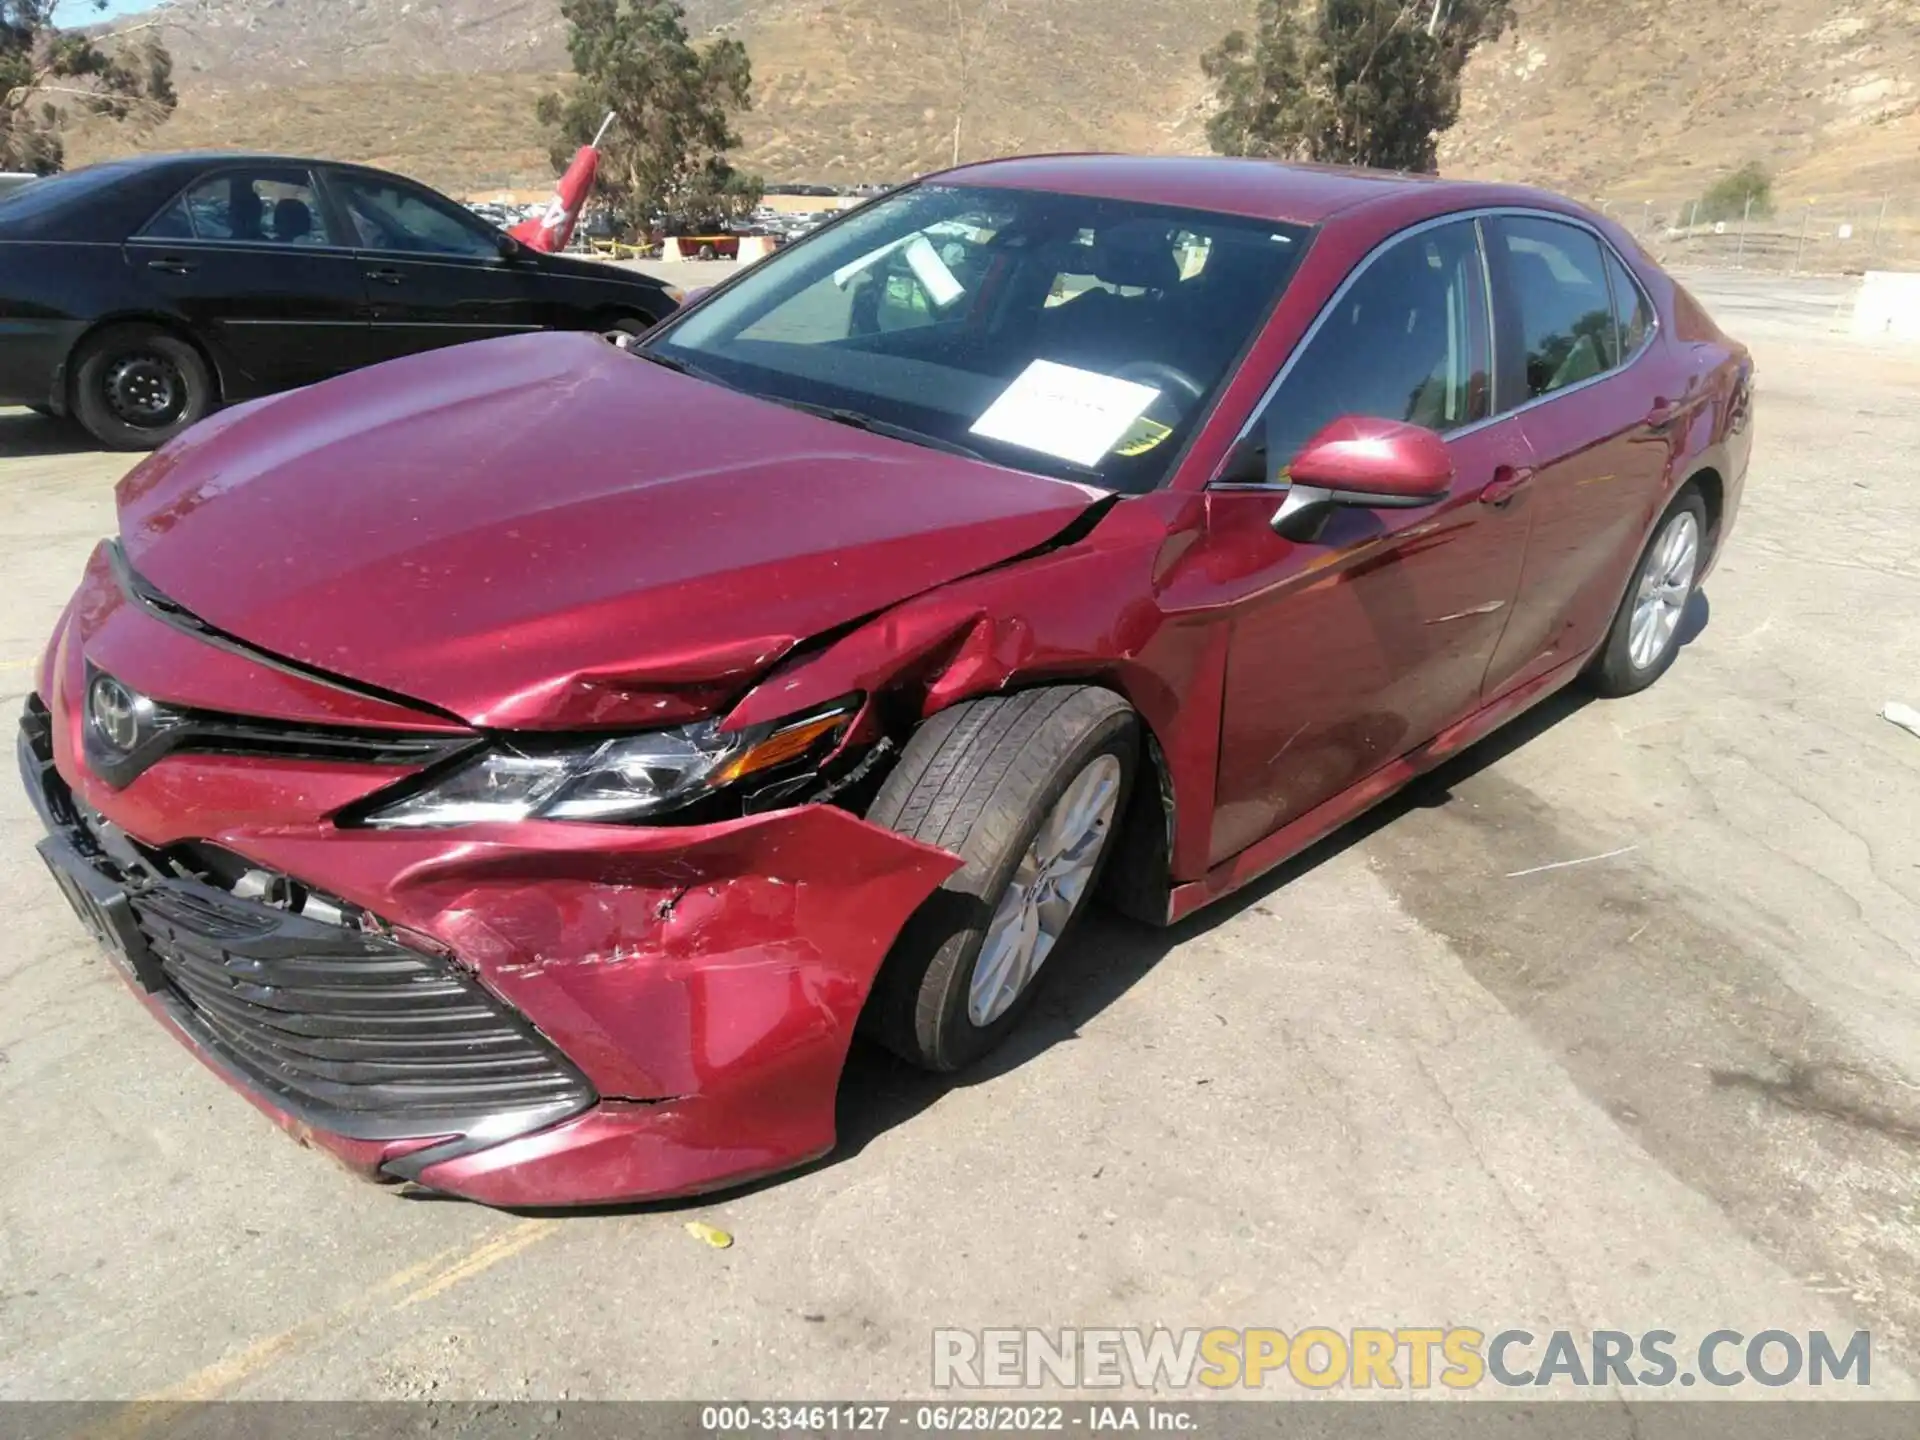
<point>544,532</point>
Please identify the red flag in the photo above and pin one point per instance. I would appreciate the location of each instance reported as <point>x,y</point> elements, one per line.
<point>552,230</point>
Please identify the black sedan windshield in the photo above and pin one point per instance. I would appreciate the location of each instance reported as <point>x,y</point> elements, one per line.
<point>1073,336</point>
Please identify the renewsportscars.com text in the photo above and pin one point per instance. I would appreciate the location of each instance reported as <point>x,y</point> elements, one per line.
<point>1397,1358</point>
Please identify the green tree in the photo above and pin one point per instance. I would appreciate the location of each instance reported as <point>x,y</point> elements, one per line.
<point>1349,82</point>
<point>673,104</point>
<point>1730,195</point>
<point>49,74</point>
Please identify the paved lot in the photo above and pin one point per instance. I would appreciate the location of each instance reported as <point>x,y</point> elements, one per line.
<point>1399,1084</point>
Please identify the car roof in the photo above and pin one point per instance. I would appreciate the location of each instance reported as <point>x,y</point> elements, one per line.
<point>194,159</point>
<point>1260,189</point>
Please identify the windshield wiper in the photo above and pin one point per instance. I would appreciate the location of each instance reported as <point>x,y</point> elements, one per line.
<point>679,367</point>
<point>857,420</point>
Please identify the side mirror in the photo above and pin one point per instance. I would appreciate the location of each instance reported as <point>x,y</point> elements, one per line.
<point>510,249</point>
<point>1363,462</point>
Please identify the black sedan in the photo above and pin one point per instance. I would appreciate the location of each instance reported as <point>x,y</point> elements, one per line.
<point>141,294</point>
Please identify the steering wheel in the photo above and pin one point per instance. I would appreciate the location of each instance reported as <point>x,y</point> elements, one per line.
<point>1162,377</point>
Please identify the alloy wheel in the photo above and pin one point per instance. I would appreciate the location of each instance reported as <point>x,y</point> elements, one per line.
<point>1046,890</point>
<point>1666,584</point>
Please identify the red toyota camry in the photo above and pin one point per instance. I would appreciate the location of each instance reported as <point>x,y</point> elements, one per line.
<point>522,768</point>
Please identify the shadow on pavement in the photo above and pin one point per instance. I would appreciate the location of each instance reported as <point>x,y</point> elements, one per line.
<point>24,433</point>
<point>1108,956</point>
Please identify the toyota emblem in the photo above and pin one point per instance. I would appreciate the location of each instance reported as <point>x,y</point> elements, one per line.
<point>116,713</point>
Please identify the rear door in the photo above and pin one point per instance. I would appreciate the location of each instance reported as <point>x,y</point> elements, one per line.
<point>433,274</point>
<point>248,256</point>
<point>1576,326</point>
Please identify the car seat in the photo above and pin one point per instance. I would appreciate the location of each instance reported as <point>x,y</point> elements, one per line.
<point>292,221</point>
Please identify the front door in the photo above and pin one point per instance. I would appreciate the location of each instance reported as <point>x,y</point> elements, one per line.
<point>1349,651</point>
<point>434,274</point>
<point>248,257</point>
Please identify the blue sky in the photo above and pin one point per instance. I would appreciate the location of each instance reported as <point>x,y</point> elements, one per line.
<point>80,12</point>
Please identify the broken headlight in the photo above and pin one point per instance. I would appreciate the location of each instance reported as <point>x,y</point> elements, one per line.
<point>611,780</point>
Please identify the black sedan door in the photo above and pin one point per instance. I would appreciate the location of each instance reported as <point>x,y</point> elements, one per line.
<point>434,274</point>
<point>249,256</point>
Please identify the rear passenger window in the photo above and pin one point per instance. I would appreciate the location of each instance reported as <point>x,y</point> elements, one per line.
<point>1631,306</point>
<point>1407,342</point>
<point>1558,278</point>
<point>268,206</point>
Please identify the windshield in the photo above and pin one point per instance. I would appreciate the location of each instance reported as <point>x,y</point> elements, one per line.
<point>1077,337</point>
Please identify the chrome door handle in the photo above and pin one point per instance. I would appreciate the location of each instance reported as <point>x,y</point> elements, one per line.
<point>1664,415</point>
<point>1508,481</point>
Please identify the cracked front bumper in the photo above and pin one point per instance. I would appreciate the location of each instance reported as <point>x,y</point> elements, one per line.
<point>685,996</point>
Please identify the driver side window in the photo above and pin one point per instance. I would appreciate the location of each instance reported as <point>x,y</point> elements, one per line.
<point>1409,340</point>
<point>386,216</point>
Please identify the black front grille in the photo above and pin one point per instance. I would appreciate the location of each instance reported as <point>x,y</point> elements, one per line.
<point>351,1030</point>
<point>327,1014</point>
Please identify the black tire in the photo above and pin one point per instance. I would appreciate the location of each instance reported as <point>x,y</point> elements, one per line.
<point>980,779</point>
<point>135,387</point>
<point>1614,671</point>
<point>624,330</point>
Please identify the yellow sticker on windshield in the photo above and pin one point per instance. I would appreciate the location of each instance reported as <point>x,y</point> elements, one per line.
<point>1142,436</point>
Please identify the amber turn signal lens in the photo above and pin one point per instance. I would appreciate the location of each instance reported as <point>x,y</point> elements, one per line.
<point>777,749</point>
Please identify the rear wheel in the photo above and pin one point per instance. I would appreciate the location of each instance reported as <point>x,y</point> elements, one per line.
<point>1028,789</point>
<point>1645,636</point>
<point>135,387</point>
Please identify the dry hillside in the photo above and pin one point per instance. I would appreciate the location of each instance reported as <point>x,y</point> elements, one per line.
<point>1624,99</point>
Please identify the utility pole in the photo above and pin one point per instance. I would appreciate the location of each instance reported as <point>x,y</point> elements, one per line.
<point>1740,254</point>
<point>1873,251</point>
<point>1806,221</point>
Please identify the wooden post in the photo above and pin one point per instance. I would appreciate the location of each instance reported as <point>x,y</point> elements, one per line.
<point>1740,254</point>
<point>1806,221</point>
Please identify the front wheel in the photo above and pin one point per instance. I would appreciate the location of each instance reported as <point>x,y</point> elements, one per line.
<point>1645,636</point>
<point>135,387</point>
<point>623,332</point>
<point>1028,790</point>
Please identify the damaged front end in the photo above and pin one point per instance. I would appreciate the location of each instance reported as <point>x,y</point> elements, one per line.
<point>556,971</point>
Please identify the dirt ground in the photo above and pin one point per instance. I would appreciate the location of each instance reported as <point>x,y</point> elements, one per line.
<point>1404,1082</point>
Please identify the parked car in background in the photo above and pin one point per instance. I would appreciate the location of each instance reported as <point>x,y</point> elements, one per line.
<point>521,770</point>
<point>140,295</point>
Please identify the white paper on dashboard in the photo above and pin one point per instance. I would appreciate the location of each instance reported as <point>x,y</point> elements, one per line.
<point>854,267</point>
<point>1077,415</point>
<point>932,272</point>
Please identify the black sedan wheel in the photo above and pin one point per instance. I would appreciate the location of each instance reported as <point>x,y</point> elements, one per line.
<point>135,387</point>
<point>624,332</point>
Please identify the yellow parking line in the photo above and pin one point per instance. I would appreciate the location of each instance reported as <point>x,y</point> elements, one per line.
<point>484,1258</point>
<point>18,664</point>
<point>397,1291</point>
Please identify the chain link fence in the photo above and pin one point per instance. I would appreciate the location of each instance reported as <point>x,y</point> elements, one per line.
<point>1835,237</point>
